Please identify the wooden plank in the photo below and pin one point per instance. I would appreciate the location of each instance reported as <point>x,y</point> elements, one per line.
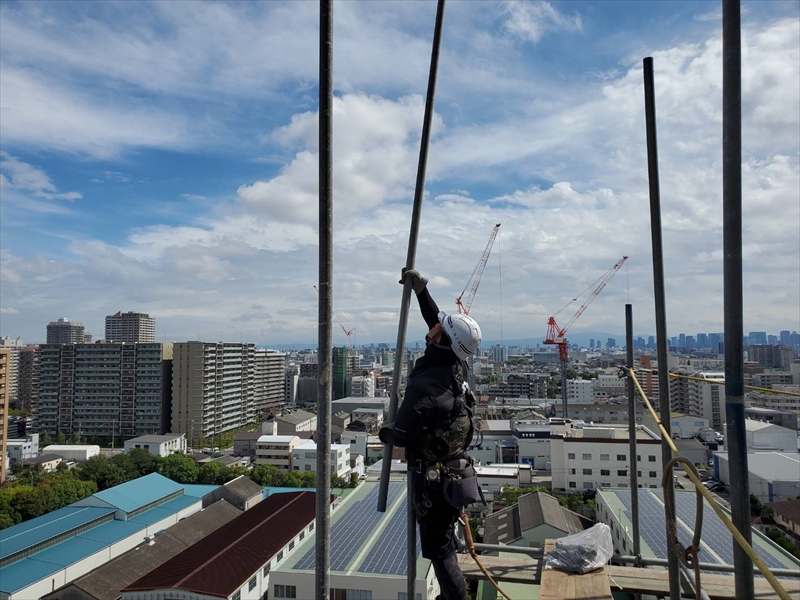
<point>510,570</point>
<point>559,585</point>
<point>718,587</point>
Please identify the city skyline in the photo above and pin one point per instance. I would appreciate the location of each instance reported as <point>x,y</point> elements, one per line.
<point>163,157</point>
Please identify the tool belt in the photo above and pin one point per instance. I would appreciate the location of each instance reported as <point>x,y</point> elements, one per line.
<point>457,480</point>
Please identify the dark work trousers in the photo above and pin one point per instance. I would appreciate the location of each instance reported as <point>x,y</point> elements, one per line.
<point>437,536</point>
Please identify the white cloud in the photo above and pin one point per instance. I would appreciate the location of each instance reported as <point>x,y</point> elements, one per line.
<point>28,179</point>
<point>195,197</point>
<point>8,310</point>
<point>531,20</point>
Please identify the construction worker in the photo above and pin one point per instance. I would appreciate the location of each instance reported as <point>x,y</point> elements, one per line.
<point>434,425</point>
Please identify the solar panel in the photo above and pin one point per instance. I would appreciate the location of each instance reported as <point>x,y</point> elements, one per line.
<point>350,532</point>
<point>389,555</point>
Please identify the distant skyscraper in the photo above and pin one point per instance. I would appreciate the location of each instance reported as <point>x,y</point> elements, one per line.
<point>786,338</point>
<point>772,339</point>
<point>591,343</point>
<point>651,341</point>
<point>702,340</point>
<point>681,340</point>
<point>612,343</point>
<point>758,337</point>
<point>690,343</point>
<point>65,331</point>
<point>130,327</point>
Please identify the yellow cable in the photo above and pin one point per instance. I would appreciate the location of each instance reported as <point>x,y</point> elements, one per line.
<point>748,549</point>
<point>721,381</point>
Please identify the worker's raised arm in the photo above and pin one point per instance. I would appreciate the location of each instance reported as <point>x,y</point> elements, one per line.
<point>429,309</point>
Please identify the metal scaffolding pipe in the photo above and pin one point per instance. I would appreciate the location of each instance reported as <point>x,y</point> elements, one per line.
<point>660,301</point>
<point>735,440</point>
<point>325,311</point>
<point>632,431</point>
<point>388,449</point>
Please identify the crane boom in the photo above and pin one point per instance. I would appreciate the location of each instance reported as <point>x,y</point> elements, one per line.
<point>475,278</point>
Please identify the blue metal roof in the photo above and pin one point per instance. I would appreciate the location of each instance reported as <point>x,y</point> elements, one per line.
<point>268,491</point>
<point>111,532</point>
<point>18,537</point>
<point>198,490</point>
<point>21,574</point>
<point>69,551</point>
<point>139,492</point>
<point>154,515</point>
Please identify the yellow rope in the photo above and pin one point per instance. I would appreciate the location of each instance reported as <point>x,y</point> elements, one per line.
<point>721,381</point>
<point>748,549</point>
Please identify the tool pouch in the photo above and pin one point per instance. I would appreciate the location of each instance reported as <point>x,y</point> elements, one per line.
<point>460,483</point>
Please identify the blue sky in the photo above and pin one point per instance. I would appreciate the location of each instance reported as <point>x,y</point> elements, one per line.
<point>161,157</point>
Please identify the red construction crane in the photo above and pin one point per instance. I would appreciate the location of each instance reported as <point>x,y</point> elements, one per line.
<point>475,278</point>
<point>555,334</point>
<point>348,333</point>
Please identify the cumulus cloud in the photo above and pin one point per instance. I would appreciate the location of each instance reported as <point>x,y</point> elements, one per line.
<point>531,20</point>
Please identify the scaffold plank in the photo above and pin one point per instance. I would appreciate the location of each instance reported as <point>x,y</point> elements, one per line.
<point>559,585</point>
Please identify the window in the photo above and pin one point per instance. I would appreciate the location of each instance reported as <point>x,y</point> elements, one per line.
<point>572,471</point>
<point>572,484</point>
<point>638,473</point>
<point>571,456</point>
<point>651,458</point>
<point>622,472</point>
<point>280,556</point>
<point>604,457</point>
<point>653,474</point>
<point>587,485</point>
<point>311,527</point>
<point>605,472</point>
<point>285,591</point>
<point>586,456</point>
<point>587,471</point>
<point>302,535</point>
<point>265,572</point>
<point>638,457</point>
<point>307,468</point>
<point>252,583</point>
<point>621,457</point>
<point>237,595</point>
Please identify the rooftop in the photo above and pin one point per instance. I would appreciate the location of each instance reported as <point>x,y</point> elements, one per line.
<point>533,510</point>
<point>43,458</point>
<point>278,439</point>
<point>155,439</point>
<point>788,509</point>
<point>136,494</point>
<point>607,432</point>
<point>296,417</point>
<point>312,445</point>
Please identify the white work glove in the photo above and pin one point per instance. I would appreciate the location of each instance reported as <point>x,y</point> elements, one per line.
<point>418,282</point>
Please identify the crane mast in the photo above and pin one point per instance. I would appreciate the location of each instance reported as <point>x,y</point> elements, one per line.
<point>475,278</point>
<point>556,335</point>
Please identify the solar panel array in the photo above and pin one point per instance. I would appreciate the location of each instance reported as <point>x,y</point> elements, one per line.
<point>350,532</point>
<point>390,552</point>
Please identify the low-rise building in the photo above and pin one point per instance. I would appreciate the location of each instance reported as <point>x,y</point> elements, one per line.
<point>533,442</point>
<point>304,458</point>
<point>23,449</point>
<point>585,457</point>
<point>784,418</point>
<point>766,436</point>
<point>681,425</point>
<point>773,475</point>
<point>76,453</point>
<point>46,462</point>
<point>295,421</point>
<point>494,478</point>
<point>276,450</point>
<point>787,514</point>
<point>357,464</point>
<point>159,445</point>
<point>535,518</point>
<point>368,414</point>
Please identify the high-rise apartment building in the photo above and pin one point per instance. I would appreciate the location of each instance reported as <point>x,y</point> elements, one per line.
<point>29,379</point>
<point>100,390</point>
<point>213,387</point>
<point>770,356</point>
<point>340,372</point>
<point>268,381</point>
<point>130,327</point>
<point>700,398</point>
<point>65,331</point>
<point>14,346</point>
<point>5,361</point>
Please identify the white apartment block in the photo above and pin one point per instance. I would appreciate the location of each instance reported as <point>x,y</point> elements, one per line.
<point>268,382</point>
<point>14,348</point>
<point>681,426</point>
<point>777,401</point>
<point>130,327</point>
<point>580,391</point>
<point>585,457</point>
<point>213,387</point>
<point>304,458</point>
<point>705,399</point>
<point>104,389</point>
<point>357,441</point>
<point>611,386</point>
<point>276,450</point>
<point>23,449</point>
<point>361,386</point>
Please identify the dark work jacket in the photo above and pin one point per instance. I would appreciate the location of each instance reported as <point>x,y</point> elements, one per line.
<point>429,395</point>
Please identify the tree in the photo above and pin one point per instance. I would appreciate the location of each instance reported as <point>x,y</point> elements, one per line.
<point>755,505</point>
<point>267,475</point>
<point>180,468</point>
<point>46,440</point>
<point>509,496</point>
<point>61,438</point>
<point>212,473</point>
<point>127,465</point>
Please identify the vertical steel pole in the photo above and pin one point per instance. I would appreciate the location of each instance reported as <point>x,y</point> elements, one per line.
<point>632,432</point>
<point>660,301</point>
<point>736,441</point>
<point>325,332</point>
<point>388,449</point>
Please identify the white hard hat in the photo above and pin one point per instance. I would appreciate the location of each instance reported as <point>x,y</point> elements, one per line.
<point>464,333</point>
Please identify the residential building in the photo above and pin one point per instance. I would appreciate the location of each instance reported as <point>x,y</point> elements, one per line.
<point>23,449</point>
<point>704,398</point>
<point>777,400</point>
<point>212,387</point>
<point>681,425</point>
<point>65,331</point>
<point>580,390</point>
<point>235,563</point>
<point>614,413</point>
<point>296,421</point>
<point>585,457</point>
<point>107,581</point>
<point>44,462</point>
<point>356,441</point>
<point>773,475</point>
<point>304,458</point>
<point>784,418</point>
<point>50,551</point>
<point>537,517</point>
<point>276,450</point>
<point>519,386</point>
<point>105,390</point>
<point>772,378</point>
<point>268,381</point>
<point>29,379</point>
<point>370,557</point>
<point>771,356</point>
<point>73,452</point>
<point>14,348</point>
<point>369,414</point>
<point>611,386</point>
<point>614,509</point>
<point>5,360</point>
<point>130,327</point>
<point>159,445</point>
<point>787,514</point>
<point>767,436</point>
<point>361,386</point>
<point>290,384</point>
